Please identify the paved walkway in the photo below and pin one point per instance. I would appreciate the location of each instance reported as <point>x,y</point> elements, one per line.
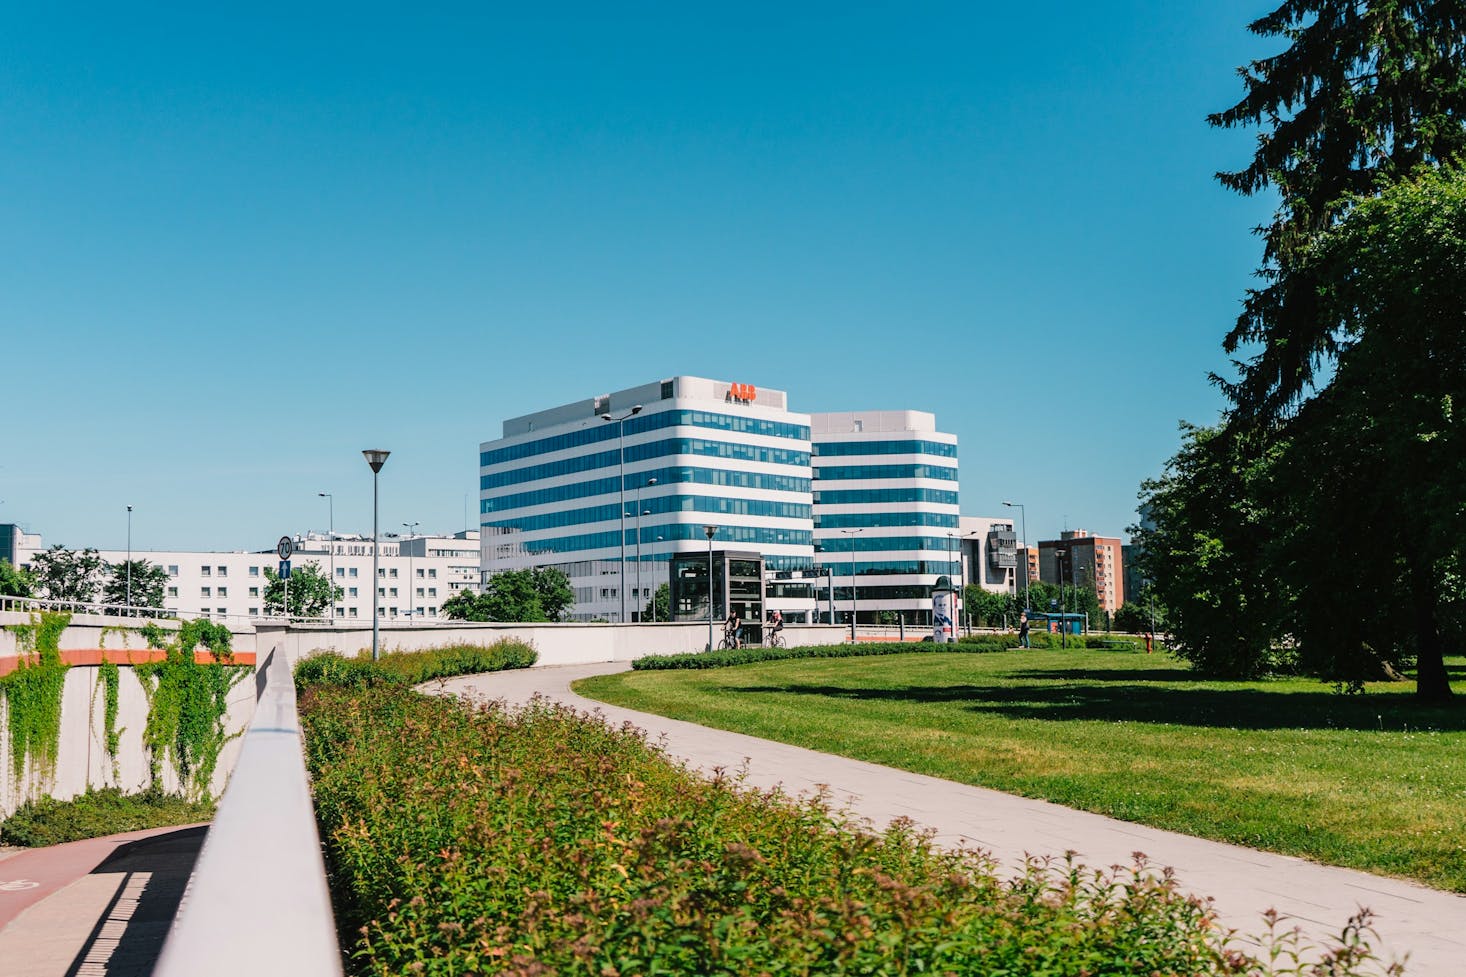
<point>96,907</point>
<point>1428,924</point>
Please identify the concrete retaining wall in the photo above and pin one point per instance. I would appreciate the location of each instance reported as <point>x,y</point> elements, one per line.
<point>81,758</point>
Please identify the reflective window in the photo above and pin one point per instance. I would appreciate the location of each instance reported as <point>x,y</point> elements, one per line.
<point>642,423</point>
<point>835,472</point>
<point>912,447</point>
<point>664,476</point>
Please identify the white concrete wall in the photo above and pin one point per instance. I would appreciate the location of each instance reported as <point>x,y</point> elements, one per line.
<point>557,644</point>
<point>81,757</point>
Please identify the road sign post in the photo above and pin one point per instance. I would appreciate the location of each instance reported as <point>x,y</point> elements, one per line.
<point>284,548</point>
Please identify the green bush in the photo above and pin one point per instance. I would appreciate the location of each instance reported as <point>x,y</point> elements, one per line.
<point>535,841</point>
<point>412,667</point>
<point>758,653</point>
<point>107,811</point>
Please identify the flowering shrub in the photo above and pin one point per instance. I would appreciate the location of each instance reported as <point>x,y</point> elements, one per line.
<point>412,667</point>
<point>467,839</point>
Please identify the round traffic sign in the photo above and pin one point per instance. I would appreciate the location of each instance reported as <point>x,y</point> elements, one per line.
<point>285,547</point>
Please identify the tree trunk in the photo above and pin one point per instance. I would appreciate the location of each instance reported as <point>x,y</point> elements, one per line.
<point>1432,684</point>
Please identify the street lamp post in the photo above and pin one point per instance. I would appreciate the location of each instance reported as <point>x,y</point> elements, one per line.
<point>852,533</point>
<point>411,528</point>
<point>1023,513</point>
<point>620,423</point>
<point>1059,557</point>
<point>639,513</point>
<point>711,531</point>
<point>129,556</point>
<point>331,542</point>
<point>376,458</point>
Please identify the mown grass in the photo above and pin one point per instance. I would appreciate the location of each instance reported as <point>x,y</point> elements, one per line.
<point>1373,781</point>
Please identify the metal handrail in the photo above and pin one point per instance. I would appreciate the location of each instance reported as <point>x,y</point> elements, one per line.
<point>24,604</point>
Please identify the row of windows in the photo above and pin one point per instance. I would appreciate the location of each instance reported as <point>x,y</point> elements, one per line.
<point>929,567</point>
<point>885,471</point>
<point>643,452</point>
<point>860,520</point>
<point>835,448</point>
<point>760,535</point>
<point>664,476</point>
<point>658,506</point>
<point>641,424</point>
<point>876,496</point>
<point>868,544</point>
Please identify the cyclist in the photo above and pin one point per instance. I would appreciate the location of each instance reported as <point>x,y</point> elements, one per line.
<point>776,624</point>
<point>730,630</point>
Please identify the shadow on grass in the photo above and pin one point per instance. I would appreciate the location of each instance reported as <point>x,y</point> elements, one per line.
<point>1119,702</point>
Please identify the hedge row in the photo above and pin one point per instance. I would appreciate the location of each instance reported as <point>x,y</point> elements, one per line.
<point>758,653</point>
<point>468,839</point>
<point>412,667</point>
<point>1043,639</point>
<point>104,811</point>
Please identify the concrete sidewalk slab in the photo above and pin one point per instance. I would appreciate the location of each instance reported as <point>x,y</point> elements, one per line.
<point>1427,924</point>
<point>99,906</point>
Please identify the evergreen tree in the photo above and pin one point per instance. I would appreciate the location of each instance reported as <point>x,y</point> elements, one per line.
<point>1367,91</point>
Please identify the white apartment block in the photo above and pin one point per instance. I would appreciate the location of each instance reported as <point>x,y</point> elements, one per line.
<point>416,574</point>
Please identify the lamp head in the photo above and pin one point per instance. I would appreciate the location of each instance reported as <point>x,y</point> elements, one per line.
<point>605,417</point>
<point>375,457</point>
<point>636,409</point>
<point>1009,504</point>
<point>710,531</point>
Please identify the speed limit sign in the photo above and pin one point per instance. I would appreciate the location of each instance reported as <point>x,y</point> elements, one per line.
<point>285,547</point>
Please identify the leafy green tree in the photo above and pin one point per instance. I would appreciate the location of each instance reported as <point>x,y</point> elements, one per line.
<point>988,609</point>
<point>1376,469</point>
<point>528,596</point>
<point>1140,616</point>
<point>555,593</point>
<point>311,591</point>
<point>659,608</point>
<point>15,582</point>
<point>1208,557</point>
<point>63,574</point>
<point>148,583</point>
<point>1367,91</point>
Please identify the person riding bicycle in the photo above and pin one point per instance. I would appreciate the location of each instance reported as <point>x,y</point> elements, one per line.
<point>776,624</point>
<point>730,630</point>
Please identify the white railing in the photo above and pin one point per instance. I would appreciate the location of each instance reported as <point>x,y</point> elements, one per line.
<point>28,604</point>
<point>258,901</point>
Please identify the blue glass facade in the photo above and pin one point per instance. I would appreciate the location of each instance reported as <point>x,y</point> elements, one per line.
<point>830,449</point>
<point>640,424</point>
<point>838,472</point>
<point>664,476</point>
<point>645,452</point>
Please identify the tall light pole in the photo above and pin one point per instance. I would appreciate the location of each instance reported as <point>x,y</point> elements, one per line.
<point>852,533</point>
<point>1059,556</point>
<point>1023,513</point>
<point>711,531</point>
<point>649,483</point>
<point>331,542</point>
<point>376,458</point>
<point>129,556</point>
<point>620,423</point>
<point>411,528</point>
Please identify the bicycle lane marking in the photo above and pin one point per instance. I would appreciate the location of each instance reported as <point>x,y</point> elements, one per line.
<point>32,876</point>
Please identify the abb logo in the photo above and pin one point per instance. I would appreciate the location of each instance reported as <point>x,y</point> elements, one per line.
<point>744,393</point>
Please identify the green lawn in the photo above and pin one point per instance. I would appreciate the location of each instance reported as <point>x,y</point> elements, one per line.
<point>1374,781</point>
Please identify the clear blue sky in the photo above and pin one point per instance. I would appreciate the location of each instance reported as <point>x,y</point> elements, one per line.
<point>238,247</point>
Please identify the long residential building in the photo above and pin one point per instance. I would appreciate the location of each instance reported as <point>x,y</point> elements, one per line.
<point>416,574</point>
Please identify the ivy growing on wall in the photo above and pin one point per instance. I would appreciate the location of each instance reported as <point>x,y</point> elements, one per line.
<point>32,695</point>
<point>187,702</point>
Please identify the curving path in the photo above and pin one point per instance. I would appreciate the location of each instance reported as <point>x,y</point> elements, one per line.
<point>1428,924</point>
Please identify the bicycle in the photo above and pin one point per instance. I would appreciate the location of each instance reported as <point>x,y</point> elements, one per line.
<point>776,640</point>
<point>728,642</point>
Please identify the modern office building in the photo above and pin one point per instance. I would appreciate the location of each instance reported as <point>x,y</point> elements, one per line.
<point>1087,560</point>
<point>416,574</point>
<point>885,511</point>
<point>618,483</point>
